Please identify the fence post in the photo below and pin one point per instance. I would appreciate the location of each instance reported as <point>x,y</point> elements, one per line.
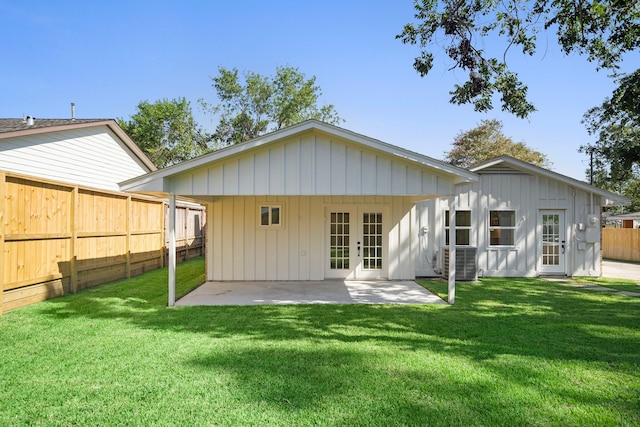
<point>3,181</point>
<point>186,233</point>
<point>127,249</point>
<point>73,225</point>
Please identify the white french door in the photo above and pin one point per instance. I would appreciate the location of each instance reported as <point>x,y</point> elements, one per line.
<point>552,242</point>
<point>356,243</point>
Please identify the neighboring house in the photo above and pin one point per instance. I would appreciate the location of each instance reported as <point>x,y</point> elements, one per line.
<point>88,152</point>
<point>518,220</point>
<point>625,220</point>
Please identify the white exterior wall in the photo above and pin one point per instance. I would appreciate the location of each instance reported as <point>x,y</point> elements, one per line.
<point>239,249</point>
<point>90,156</point>
<point>312,164</point>
<point>527,195</point>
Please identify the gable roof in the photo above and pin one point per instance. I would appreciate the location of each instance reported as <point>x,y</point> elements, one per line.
<point>10,128</point>
<point>453,173</point>
<point>504,163</point>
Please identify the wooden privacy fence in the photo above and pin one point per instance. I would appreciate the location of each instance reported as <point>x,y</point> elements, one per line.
<point>190,220</point>
<point>57,238</point>
<point>621,243</point>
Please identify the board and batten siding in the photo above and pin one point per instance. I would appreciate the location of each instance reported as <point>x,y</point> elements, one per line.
<point>90,156</point>
<point>312,164</point>
<point>527,195</point>
<point>239,249</point>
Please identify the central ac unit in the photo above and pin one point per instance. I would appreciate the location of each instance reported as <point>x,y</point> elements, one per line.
<point>466,269</point>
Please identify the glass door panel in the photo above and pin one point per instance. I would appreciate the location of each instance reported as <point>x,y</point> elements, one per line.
<point>372,241</point>
<point>339,240</point>
<point>552,242</point>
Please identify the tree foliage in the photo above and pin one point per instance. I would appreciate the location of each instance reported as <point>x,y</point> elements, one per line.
<point>617,124</point>
<point>485,142</point>
<point>603,30</point>
<point>260,104</point>
<point>166,131</point>
<point>616,152</point>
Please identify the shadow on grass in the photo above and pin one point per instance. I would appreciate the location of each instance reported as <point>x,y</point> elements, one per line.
<point>302,356</point>
<point>493,317</point>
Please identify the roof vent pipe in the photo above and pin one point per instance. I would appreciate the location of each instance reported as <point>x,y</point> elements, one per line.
<point>73,111</point>
<point>30,121</point>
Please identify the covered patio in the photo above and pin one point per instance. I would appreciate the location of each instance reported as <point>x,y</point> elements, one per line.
<point>311,204</point>
<point>310,292</point>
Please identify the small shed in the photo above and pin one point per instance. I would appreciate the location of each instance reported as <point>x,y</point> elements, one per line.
<point>309,202</point>
<point>517,220</point>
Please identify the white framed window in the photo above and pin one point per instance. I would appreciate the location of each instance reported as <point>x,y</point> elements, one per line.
<point>502,228</point>
<point>270,216</point>
<point>463,228</point>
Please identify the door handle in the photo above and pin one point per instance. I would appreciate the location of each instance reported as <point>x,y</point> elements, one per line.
<point>563,246</point>
<point>358,248</point>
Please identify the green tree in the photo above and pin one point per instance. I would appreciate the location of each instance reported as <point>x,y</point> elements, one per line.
<point>166,131</point>
<point>485,142</point>
<point>603,30</point>
<point>617,124</point>
<point>616,152</point>
<point>260,104</point>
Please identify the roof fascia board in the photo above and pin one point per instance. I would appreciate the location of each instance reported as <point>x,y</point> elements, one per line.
<point>131,145</point>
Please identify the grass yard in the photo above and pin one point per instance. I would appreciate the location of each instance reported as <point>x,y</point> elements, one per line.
<point>509,352</point>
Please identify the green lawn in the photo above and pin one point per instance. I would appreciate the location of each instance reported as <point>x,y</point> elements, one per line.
<point>510,352</point>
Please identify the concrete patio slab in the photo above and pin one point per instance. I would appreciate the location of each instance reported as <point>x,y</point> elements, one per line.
<point>310,292</point>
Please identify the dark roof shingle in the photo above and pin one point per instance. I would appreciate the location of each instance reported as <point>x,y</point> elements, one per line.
<point>14,125</point>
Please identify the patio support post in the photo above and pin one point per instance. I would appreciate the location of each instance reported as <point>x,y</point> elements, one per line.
<point>172,250</point>
<point>452,250</point>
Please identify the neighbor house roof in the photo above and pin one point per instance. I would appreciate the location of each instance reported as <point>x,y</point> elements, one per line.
<point>455,174</point>
<point>628,215</point>
<point>10,128</point>
<point>502,162</point>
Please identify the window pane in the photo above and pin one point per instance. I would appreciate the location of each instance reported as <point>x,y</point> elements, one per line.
<point>275,216</point>
<point>502,237</point>
<point>264,215</point>
<point>463,219</point>
<point>502,218</point>
<point>462,236</point>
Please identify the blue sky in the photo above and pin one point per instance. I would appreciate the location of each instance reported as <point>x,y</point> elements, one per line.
<point>108,56</point>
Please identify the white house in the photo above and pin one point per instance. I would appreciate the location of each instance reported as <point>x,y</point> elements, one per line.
<point>309,202</point>
<point>89,152</point>
<point>517,220</point>
<point>315,201</point>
